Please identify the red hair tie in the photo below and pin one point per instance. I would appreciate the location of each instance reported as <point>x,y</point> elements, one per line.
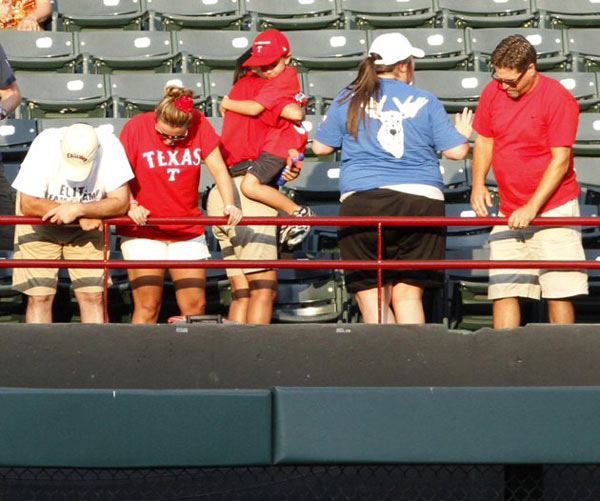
<point>184,103</point>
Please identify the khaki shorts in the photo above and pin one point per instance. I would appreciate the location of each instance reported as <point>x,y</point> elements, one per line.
<point>244,242</point>
<point>539,243</point>
<point>56,242</point>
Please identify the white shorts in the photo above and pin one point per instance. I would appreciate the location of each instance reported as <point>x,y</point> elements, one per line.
<point>160,250</point>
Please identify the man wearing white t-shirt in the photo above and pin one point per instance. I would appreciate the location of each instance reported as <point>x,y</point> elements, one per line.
<point>71,176</point>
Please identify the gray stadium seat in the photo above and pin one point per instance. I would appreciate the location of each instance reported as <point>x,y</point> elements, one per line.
<point>588,172</point>
<point>291,14</point>
<point>15,137</point>
<point>115,124</point>
<point>583,86</point>
<point>107,52</point>
<point>318,181</point>
<point>587,142</point>
<point>444,47</point>
<point>133,93</point>
<point>584,48</point>
<point>548,45</point>
<point>218,84</point>
<point>75,15</point>
<point>455,89</point>
<point>328,49</point>
<point>385,13</point>
<point>456,184</point>
<point>40,50</point>
<point>323,86</point>
<point>206,49</point>
<point>193,14</point>
<point>486,13</point>
<point>62,94</point>
<point>559,13</point>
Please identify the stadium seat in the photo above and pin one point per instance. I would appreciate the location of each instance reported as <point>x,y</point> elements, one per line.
<point>48,95</point>
<point>105,52</point>
<point>456,185</point>
<point>455,89</point>
<point>40,50</point>
<point>115,124</point>
<point>323,86</point>
<point>328,49</point>
<point>217,123</point>
<point>587,141</point>
<point>548,45</point>
<point>560,13</point>
<point>486,13</point>
<point>16,136</point>
<point>386,14</point>
<point>291,14</point>
<point>76,15</point>
<point>218,84</point>
<point>133,93</point>
<point>444,48</point>
<point>588,173</point>
<point>466,237</point>
<point>583,86</point>
<point>311,124</point>
<point>584,48</point>
<point>192,14</point>
<point>203,50</point>
<point>586,307</point>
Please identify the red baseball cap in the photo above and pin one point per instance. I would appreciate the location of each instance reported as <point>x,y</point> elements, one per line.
<point>268,47</point>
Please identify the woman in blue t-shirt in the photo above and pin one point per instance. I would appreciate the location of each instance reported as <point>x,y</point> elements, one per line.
<point>390,133</point>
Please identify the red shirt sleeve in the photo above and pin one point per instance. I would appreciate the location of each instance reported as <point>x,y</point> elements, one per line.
<point>285,85</point>
<point>563,117</point>
<point>129,142</point>
<point>482,120</point>
<point>209,139</point>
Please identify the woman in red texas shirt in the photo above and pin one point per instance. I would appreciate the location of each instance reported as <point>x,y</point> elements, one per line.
<point>165,149</point>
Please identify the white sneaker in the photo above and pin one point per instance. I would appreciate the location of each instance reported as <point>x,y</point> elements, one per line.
<point>293,235</point>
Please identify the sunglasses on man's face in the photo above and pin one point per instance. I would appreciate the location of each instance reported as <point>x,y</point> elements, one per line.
<point>171,137</point>
<point>510,82</point>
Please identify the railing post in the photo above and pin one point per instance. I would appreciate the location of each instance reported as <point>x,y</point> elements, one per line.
<point>106,239</point>
<point>379,274</point>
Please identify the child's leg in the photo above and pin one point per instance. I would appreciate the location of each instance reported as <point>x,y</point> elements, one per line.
<point>253,188</point>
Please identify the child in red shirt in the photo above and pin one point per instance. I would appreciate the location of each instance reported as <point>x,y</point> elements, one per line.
<point>285,139</point>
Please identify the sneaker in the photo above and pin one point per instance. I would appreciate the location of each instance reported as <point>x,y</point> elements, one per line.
<point>293,235</point>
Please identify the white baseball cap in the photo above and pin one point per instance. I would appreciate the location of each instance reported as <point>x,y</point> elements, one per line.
<point>79,146</point>
<point>393,48</point>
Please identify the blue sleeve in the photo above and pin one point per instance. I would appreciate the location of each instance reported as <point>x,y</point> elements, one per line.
<point>7,76</point>
<point>445,135</point>
<point>331,129</point>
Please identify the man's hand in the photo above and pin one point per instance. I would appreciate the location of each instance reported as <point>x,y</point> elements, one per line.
<point>90,224</point>
<point>480,200</point>
<point>522,217</point>
<point>63,214</point>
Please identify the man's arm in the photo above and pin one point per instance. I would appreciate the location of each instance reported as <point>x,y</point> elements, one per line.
<point>10,97</point>
<point>34,206</point>
<point>115,204</point>
<point>482,161</point>
<point>553,176</point>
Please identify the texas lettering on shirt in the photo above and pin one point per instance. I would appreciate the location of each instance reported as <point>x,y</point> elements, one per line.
<point>172,159</point>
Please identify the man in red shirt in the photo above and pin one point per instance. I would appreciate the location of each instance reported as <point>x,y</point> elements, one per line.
<point>526,124</point>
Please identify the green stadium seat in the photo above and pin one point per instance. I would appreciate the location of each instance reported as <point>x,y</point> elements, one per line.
<point>133,93</point>
<point>587,142</point>
<point>583,86</point>
<point>386,14</point>
<point>193,14</point>
<point>444,47</point>
<point>105,52</point>
<point>115,124</point>
<point>486,13</point>
<point>456,185</point>
<point>48,95</point>
<point>204,50</point>
<point>311,124</point>
<point>560,13</point>
<point>76,15</point>
<point>218,84</point>
<point>40,50</point>
<point>588,172</point>
<point>455,89</point>
<point>323,86</point>
<point>328,49</point>
<point>291,14</point>
<point>548,45</point>
<point>15,137</point>
<point>584,49</point>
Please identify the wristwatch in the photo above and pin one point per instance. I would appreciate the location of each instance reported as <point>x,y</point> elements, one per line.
<point>3,113</point>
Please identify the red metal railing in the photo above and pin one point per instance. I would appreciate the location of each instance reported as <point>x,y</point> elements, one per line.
<point>379,264</point>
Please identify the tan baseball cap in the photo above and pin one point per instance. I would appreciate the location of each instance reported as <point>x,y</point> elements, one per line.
<point>79,146</point>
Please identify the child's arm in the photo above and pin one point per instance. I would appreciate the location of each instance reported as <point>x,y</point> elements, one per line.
<point>243,107</point>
